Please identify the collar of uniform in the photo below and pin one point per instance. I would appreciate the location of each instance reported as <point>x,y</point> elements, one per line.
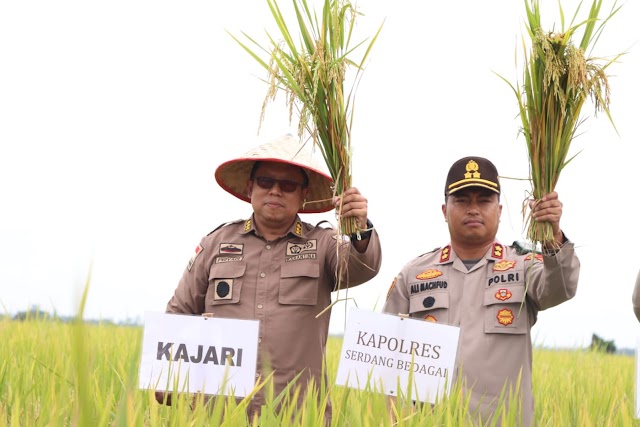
<point>249,226</point>
<point>496,251</point>
<point>447,255</point>
<point>296,229</point>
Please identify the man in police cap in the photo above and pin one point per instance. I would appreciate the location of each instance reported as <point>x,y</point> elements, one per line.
<point>274,267</point>
<point>492,291</point>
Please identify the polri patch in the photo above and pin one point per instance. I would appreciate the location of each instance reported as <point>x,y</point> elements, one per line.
<point>199,249</point>
<point>223,289</point>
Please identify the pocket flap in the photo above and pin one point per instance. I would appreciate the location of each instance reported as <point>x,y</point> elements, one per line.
<point>300,269</point>
<point>504,294</point>
<point>227,271</point>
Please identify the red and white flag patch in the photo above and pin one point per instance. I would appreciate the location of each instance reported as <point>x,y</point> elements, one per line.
<point>199,250</point>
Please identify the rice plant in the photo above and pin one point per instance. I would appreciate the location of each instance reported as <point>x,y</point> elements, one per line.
<point>40,382</point>
<point>311,66</point>
<point>558,78</point>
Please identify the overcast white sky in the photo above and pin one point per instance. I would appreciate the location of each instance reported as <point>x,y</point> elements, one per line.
<point>114,116</point>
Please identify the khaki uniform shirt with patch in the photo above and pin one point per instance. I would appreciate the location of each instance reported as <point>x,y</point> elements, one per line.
<point>636,297</point>
<point>284,284</point>
<point>485,302</point>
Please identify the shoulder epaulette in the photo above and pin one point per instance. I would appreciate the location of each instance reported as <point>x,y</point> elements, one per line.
<point>522,248</point>
<point>225,224</point>
<point>430,252</point>
<point>324,221</point>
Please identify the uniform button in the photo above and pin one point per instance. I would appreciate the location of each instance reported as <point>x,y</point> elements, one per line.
<point>259,340</point>
<point>268,246</point>
<point>428,302</point>
<point>262,274</point>
<point>259,305</point>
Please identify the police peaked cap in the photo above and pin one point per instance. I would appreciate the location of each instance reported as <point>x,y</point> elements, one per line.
<point>472,172</point>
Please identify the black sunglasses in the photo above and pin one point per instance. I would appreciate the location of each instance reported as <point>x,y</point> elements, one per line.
<point>284,184</point>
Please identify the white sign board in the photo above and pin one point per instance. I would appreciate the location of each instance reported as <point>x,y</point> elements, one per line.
<point>385,349</point>
<point>204,355</point>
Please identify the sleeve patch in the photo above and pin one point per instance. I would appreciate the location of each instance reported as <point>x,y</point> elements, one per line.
<point>199,249</point>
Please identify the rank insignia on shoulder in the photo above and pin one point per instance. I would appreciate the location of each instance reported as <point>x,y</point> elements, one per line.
<point>430,252</point>
<point>223,225</point>
<point>429,274</point>
<point>247,225</point>
<point>199,249</point>
<point>498,250</point>
<point>298,228</point>
<point>505,317</point>
<point>445,254</point>
<point>504,265</point>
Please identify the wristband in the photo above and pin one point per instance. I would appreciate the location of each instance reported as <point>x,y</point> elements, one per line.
<point>364,234</point>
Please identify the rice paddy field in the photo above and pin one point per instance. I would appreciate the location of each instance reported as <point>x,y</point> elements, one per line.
<point>57,374</point>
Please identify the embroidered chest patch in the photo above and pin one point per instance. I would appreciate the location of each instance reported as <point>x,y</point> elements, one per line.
<point>223,289</point>
<point>298,248</point>
<point>231,248</point>
<point>505,317</point>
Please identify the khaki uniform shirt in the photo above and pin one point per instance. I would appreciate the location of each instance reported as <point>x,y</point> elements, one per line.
<point>284,284</point>
<point>485,302</point>
<point>636,298</point>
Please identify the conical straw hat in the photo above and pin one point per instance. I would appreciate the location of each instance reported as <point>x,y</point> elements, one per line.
<point>233,174</point>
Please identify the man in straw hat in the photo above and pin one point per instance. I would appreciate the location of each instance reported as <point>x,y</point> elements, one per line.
<point>493,292</point>
<point>274,267</point>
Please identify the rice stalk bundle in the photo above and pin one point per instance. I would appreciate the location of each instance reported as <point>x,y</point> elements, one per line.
<point>312,74</point>
<point>557,80</point>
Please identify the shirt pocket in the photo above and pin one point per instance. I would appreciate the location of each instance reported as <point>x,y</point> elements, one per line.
<point>432,306</point>
<point>299,283</point>
<point>505,311</point>
<point>225,283</point>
